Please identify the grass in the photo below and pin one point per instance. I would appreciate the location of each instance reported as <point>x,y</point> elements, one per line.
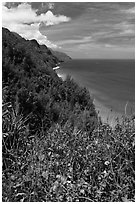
<point>54,145</point>
<point>66,163</point>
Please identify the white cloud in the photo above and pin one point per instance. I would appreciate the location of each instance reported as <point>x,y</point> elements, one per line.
<point>85,39</point>
<point>51,19</point>
<point>109,45</point>
<point>129,11</point>
<point>126,28</point>
<point>24,20</point>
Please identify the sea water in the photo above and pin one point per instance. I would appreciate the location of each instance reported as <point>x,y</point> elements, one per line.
<point>111,83</point>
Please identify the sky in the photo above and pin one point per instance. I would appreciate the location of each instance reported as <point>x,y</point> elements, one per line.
<point>80,29</point>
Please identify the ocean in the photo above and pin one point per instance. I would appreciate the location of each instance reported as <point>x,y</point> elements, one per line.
<point>111,84</point>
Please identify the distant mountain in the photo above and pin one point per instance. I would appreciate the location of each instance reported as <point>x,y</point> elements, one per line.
<point>62,57</point>
<point>32,86</point>
<point>40,54</point>
<point>44,54</point>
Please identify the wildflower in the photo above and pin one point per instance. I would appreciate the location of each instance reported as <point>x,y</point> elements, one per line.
<point>70,169</point>
<point>105,173</point>
<point>58,176</point>
<point>96,142</point>
<point>99,178</point>
<point>133,144</point>
<point>108,146</point>
<point>77,200</point>
<point>57,163</point>
<point>55,186</point>
<point>69,199</point>
<point>49,153</point>
<point>106,163</point>
<point>12,177</point>
<point>82,191</point>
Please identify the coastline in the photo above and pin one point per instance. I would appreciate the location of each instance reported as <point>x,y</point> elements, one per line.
<point>107,115</point>
<point>62,76</point>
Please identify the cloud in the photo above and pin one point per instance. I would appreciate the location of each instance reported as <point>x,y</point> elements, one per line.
<point>129,11</point>
<point>25,21</point>
<point>51,19</point>
<point>92,26</point>
<point>85,39</point>
<point>125,29</point>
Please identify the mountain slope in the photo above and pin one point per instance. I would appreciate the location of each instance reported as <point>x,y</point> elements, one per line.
<point>61,56</point>
<point>34,85</point>
<point>51,148</point>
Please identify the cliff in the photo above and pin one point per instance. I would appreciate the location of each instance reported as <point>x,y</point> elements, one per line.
<point>30,81</point>
<point>62,57</point>
<point>42,54</point>
<point>54,148</point>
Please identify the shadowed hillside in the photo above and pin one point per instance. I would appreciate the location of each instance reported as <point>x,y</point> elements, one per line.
<point>62,57</point>
<point>54,146</point>
<point>30,81</point>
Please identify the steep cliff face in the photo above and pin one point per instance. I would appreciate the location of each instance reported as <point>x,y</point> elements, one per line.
<point>30,81</point>
<point>40,53</point>
<point>50,57</point>
<point>62,57</point>
<point>26,65</point>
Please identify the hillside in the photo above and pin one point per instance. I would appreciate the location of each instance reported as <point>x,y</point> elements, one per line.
<point>31,47</point>
<point>54,146</point>
<point>61,56</point>
<point>30,80</point>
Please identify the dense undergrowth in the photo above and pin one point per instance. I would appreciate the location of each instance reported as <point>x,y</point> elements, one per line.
<point>54,146</point>
<point>67,163</point>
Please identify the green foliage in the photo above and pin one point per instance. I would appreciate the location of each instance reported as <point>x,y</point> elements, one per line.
<point>54,147</point>
<point>37,87</point>
<point>68,164</point>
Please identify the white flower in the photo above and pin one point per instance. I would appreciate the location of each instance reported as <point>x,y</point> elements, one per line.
<point>58,176</point>
<point>96,141</point>
<point>70,169</point>
<point>105,173</point>
<point>106,163</point>
<point>82,191</point>
<point>108,146</point>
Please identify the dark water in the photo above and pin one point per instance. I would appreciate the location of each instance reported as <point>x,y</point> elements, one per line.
<point>111,82</point>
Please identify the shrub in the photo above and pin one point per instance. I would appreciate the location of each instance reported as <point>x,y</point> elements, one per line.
<point>54,146</point>
<point>68,164</point>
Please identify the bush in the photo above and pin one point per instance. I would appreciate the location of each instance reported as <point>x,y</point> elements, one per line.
<point>68,164</point>
<point>54,146</point>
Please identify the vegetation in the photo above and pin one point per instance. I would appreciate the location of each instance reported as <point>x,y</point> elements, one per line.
<point>54,146</point>
<point>61,56</point>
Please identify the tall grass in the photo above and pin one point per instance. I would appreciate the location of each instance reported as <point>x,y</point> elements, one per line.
<point>66,163</point>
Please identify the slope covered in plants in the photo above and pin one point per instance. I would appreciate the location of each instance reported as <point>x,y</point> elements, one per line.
<point>54,146</point>
<point>30,82</point>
